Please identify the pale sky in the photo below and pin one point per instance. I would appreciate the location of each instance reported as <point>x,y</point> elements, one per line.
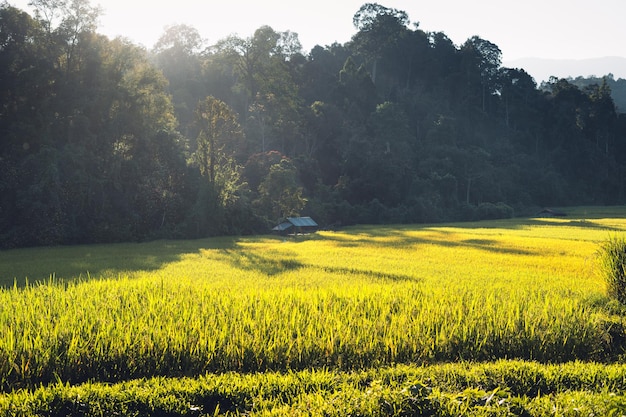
<point>568,29</point>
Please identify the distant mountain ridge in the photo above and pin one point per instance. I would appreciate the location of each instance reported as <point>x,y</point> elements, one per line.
<point>541,69</point>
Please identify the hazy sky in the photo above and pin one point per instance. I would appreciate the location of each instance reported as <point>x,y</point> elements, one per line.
<point>573,29</point>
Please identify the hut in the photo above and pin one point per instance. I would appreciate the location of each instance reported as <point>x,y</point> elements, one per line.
<point>296,225</point>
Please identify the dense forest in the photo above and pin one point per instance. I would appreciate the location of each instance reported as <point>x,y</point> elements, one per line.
<point>618,87</point>
<point>102,140</point>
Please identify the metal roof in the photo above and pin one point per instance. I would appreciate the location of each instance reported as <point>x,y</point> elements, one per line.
<point>302,221</point>
<point>283,226</point>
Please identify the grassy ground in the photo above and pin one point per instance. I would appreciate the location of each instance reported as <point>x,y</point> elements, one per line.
<point>366,300</point>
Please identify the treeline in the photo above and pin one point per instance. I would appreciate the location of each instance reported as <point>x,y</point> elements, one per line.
<point>618,87</point>
<point>102,140</point>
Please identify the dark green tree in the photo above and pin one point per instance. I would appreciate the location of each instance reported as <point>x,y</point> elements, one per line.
<point>266,95</point>
<point>220,135</point>
<point>482,60</point>
<point>380,29</point>
<point>280,194</point>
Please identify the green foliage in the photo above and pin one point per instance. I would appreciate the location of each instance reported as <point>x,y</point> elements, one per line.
<point>398,125</point>
<point>280,193</point>
<point>612,264</point>
<point>503,388</point>
<point>220,134</point>
<point>617,87</point>
<point>488,211</point>
<point>92,142</point>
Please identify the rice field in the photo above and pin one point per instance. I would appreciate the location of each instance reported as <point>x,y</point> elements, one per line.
<point>402,300</point>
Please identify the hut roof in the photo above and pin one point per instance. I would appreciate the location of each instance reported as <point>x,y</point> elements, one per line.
<point>282,227</point>
<point>302,221</point>
<point>305,222</point>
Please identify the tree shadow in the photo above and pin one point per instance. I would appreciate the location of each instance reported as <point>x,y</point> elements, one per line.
<point>385,236</point>
<point>268,265</point>
<point>579,223</point>
<point>84,262</point>
<point>439,234</point>
<point>112,260</point>
<point>276,262</point>
<point>370,273</point>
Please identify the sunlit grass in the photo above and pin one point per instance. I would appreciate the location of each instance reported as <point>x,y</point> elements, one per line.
<point>354,299</point>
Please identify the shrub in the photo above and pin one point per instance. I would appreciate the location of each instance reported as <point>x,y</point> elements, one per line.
<point>486,211</point>
<point>612,260</point>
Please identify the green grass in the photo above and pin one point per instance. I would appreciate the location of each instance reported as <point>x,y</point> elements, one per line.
<point>612,256</point>
<point>501,388</point>
<point>373,300</point>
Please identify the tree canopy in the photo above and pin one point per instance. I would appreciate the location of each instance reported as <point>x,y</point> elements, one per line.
<point>102,140</point>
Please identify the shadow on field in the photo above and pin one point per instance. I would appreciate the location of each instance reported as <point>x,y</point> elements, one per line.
<point>368,273</point>
<point>32,265</point>
<point>272,263</point>
<point>267,265</point>
<point>386,237</point>
<point>443,234</point>
<point>517,224</point>
<point>548,222</point>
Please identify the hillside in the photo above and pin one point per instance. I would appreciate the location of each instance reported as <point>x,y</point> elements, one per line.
<point>105,141</point>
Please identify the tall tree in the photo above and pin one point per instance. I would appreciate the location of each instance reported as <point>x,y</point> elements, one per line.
<point>220,135</point>
<point>483,58</point>
<point>267,99</point>
<point>66,21</point>
<point>177,54</point>
<point>519,96</point>
<point>379,29</point>
<point>389,170</point>
<point>280,193</point>
<point>221,187</point>
<point>603,115</point>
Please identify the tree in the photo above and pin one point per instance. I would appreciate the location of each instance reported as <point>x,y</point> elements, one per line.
<point>325,128</point>
<point>567,116</point>
<point>266,96</point>
<point>358,93</point>
<point>603,115</point>
<point>179,40</point>
<point>86,135</point>
<point>319,74</point>
<point>369,16</point>
<point>520,99</point>
<point>258,60</point>
<point>280,193</point>
<point>389,169</point>
<point>379,29</point>
<point>48,12</point>
<point>75,19</point>
<point>219,137</point>
<point>79,18</point>
<point>177,54</point>
<point>24,79</point>
<point>484,58</point>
